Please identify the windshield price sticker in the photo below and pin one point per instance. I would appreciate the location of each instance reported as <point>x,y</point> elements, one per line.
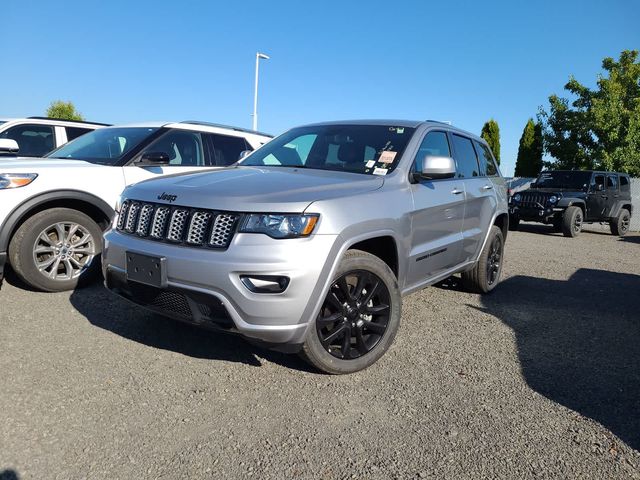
<point>387,156</point>
<point>370,163</point>
<point>380,171</point>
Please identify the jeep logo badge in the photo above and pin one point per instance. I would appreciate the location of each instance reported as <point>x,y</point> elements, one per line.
<point>167,197</point>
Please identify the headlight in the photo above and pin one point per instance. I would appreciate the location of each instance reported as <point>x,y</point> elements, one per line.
<point>517,197</point>
<point>16,180</point>
<point>553,199</point>
<point>279,226</point>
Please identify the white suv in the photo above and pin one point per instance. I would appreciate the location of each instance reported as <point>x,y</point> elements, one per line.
<point>53,210</point>
<point>37,136</point>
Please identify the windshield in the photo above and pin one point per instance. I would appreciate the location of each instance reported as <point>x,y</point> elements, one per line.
<point>571,180</point>
<point>367,149</point>
<point>104,146</point>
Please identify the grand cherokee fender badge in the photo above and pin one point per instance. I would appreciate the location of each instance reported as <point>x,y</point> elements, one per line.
<point>167,197</point>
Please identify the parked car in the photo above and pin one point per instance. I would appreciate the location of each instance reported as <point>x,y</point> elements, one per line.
<point>37,136</point>
<point>567,199</point>
<point>308,244</point>
<point>53,210</point>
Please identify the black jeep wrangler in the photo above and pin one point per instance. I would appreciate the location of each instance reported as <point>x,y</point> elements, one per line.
<point>569,198</point>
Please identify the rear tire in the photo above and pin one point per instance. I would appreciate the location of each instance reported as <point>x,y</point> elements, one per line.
<point>56,250</point>
<point>359,318</point>
<point>620,225</point>
<point>485,274</point>
<point>572,221</point>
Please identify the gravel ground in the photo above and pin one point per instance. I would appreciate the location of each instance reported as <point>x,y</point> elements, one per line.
<point>538,380</point>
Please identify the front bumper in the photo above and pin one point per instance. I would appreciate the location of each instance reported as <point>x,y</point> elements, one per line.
<point>204,286</point>
<point>534,214</point>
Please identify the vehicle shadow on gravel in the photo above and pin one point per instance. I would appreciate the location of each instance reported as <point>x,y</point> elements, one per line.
<point>579,342</point>
<point>105,310</point>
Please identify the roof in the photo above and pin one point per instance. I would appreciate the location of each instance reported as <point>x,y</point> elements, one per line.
<point>401,123</point>
<point>396,123</point>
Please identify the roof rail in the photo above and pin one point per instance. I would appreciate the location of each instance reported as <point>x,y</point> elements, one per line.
<point>72,121</point>
<point>230,127</point>
<point>444,122</point>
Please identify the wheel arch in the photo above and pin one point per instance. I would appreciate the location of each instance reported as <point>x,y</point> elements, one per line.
<point>383,246</point>
<point>96,208</point>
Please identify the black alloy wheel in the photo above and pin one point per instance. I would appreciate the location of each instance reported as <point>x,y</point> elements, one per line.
<point>494,260</point>
<point>355,315</point>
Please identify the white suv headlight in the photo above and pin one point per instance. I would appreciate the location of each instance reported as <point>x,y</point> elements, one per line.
<point>280,225</point>
<point>16,180</point>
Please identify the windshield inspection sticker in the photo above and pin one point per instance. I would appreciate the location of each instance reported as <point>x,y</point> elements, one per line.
<point>380,171</point>
<point>387,156</point>
<point>370,163</point>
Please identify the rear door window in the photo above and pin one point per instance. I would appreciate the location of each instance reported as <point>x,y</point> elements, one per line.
<point>624,183</point>
<point>612,182</point>
<point>487,163</point>
<point>183,147</point>
<point>225,149</point>
<point>33,140</point>
<point>75,132</point>
<point>465,156</point>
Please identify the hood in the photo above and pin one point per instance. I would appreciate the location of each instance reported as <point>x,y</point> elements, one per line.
<point>564,191</point>
<point>29,164</point>
<point>253,189</point>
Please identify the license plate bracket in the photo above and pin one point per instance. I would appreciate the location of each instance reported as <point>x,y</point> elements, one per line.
<point>146,269</point>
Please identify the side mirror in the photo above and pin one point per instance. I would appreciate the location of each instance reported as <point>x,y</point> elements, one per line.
<point>436,167</point>
<point>154,158</point>
<point>599,187</point>
<point>244,153</point>
<point>8,145</point>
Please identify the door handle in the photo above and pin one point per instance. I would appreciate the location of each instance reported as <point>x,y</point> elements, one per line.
<point>487,187</point>
<point>456,191</point>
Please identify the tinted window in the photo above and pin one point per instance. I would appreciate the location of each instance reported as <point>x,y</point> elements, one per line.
<point>183,147</point>
<point>564,179</point>
<point>75,132</point>
<point>598,180</point>
<point>33,140</point>
<point>487,163</point>
<point>624,183</point>
<point>465,156</point>
<point>225,149</point>
<point>104,146</point>
<point>612,182</point>
<point>346,148</point>
<point>435,143</point>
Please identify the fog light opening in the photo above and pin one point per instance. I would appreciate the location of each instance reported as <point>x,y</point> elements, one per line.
<point>265,283</point>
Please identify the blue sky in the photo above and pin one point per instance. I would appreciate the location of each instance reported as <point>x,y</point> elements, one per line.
<point>126,61</point>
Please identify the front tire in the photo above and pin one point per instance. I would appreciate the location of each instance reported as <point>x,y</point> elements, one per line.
<point>485,274</point>
<point>620,225</point>
<point>56,249</point>
<point>572,221</point>
<point>514,223</point>
<point>359,318</point>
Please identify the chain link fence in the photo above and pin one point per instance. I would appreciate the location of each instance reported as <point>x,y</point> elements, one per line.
<point>635,200</point>
<point>519,183</point>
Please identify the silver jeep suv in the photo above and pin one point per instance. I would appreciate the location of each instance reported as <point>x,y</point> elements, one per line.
<point>310,243</point>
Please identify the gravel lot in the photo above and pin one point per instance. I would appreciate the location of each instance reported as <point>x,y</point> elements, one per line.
<point>538,380</point>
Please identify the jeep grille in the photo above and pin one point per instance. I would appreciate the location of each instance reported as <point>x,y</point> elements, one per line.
<point>533,199</point>
<point>178,225</point>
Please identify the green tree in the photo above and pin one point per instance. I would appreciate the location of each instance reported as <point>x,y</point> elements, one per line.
<point>600,128</point>
<point>529,161</point>
<point>64,110</point>
<point>491,133</point>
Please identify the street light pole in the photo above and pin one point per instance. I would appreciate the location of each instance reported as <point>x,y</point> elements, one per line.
<point>255,92</point>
